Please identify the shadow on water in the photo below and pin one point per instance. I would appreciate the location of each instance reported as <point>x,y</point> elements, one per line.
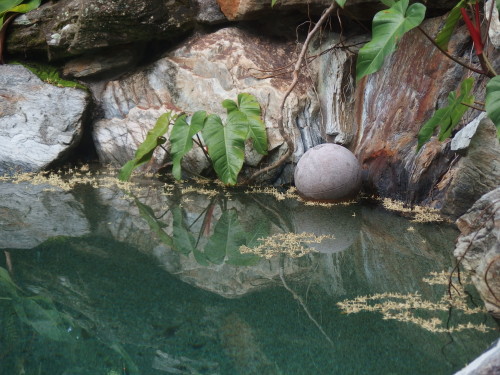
<point>206,280</point>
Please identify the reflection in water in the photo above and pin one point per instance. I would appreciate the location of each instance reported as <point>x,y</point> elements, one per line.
<point>97,300</point>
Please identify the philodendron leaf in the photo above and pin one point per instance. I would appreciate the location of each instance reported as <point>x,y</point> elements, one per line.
<point>226,144</point>
<point>156,226</point>
<point>7,5</point>
<point>181,138</point>
<point>493,102</point>
<point>448,117</point>
<point>444,35</point>
<point>26,6</point>
<point>388,27</point>
<point>184,241</point>
<point>341,2</point>
<point>227,238</point>
<point>249,105</point>
<point>145,151</point>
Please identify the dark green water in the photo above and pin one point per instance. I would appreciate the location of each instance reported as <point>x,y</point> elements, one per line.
<point>98,281</point>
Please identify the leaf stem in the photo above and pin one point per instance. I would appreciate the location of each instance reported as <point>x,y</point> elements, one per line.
<point>200,144</point>
<point>448,55</point>
<point>298,65</point>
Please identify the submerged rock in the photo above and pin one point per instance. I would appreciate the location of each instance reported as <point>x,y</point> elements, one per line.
<point>39,123</point>
<point>478,248</point>
<point>31,214</point>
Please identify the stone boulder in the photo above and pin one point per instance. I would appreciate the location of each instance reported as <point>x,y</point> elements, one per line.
<point>39,123</point>
<point>200,74</point>
<point>72,27</point>
<point>360,9</point>
<point>393,104</point>
<point>31,214</point>
<point>478,248</point>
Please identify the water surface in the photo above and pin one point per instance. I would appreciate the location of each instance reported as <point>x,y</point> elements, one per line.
<point>111,279</point>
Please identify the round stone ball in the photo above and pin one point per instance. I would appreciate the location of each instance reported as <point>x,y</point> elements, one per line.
<point>328,172</point>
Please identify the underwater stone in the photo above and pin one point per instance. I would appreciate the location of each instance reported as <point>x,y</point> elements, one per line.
<point>328,172</point>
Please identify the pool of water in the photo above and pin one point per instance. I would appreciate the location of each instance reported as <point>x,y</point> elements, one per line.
<point>98,277</point>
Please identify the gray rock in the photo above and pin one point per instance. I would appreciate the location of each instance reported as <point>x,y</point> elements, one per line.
<point>328,172</point>
<point>209,12</point>
<point>478,248</point>
<point>462,139</point>
<point>487,363</point>
<point>31,214</point>
<point>112,60</point>
<point>494,29</point>
<point>39,122</point>
<point>476,173</point>
<point>73,27</point>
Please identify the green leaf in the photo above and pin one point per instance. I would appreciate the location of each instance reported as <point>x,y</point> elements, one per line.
<point>7,5</point>
<point>25,7</point>
<point>226,144</point>
<point>200,257</point>
<point>145,151</point>
<point>448,117</point>
<point>444,35</point>
<point>388,27</point>
<point>388,3</point>
<point>250,107</point>
<point>230,105</point>
<point>341,2</point>
<point>184,241</point>
<point>498,7</point>
<point>273,2</point>
<point>493,101</point>
<point>41,314</point>
<point>181,139</point>
<point>227,238</point>
<point>156,226</point>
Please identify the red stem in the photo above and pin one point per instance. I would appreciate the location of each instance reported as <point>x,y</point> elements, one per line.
<point>474,32</point>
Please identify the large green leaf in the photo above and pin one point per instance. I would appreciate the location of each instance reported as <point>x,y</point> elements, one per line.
<point>249,105</point>
<point>493,102</point>
<point>156,226</point>
<point>498,7</point>
<point>41,314</point>
<point>7,5</point>
<point>448,117</point>
<point>388,27</point>
<point>145,151</point>
<point>26,6</point>
<point>227,238</point>
<point>226,144</point>
<point>341,2</point>
<point>444,35</point>
<point>184,241</point>
<point>181,138</point>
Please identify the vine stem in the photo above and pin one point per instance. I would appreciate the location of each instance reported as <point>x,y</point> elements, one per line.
<point>300,300</point>
<point>298,64</point>
<point>448,55</point>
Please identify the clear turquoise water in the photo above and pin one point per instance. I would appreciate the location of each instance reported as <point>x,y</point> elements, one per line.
<point>117,300</point>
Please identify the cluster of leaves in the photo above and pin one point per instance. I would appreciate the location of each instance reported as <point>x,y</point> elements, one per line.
<point>37,312</point>
<point>388,28</point>
<point>223,246</point>
<point>50,75</point>
<point>224,142</point>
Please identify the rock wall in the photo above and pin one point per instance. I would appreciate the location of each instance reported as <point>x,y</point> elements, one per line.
<point>143,58</point>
